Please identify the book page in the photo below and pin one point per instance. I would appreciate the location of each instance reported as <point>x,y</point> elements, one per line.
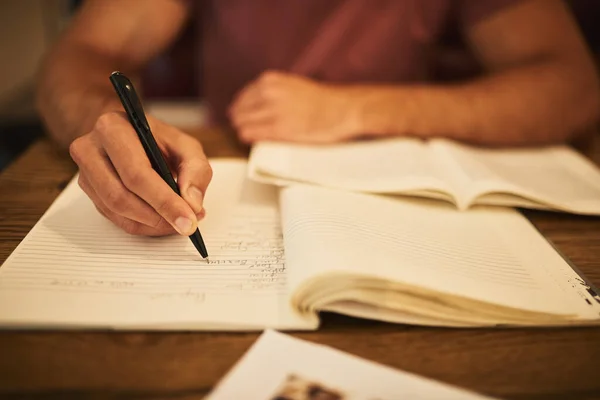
<point>76,269</point>
<point>279,367</point>
<point>352,242</point>
<point>400,166</point>
<point>554,177</point>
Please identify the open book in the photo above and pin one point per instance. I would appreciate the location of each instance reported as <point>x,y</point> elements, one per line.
<point>278,257</point>
<point>553,178</point>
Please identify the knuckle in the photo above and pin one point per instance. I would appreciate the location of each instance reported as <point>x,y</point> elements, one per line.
<point>116,200</point>
<point>160,222</point>
<point>199,171</point>
<point>106,122</point>
<point>270,76</point>
<point>270,91</point>
<point>162,228</point>
<point>194,164</point>
<point>163,206</point>
<point>133,178</point>
<point>207,173</point>
<point>76,149</point>
<point>85,187</point>
<point>130,226</point>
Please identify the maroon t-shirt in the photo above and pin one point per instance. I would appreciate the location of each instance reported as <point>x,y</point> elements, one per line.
<point>331,40</point>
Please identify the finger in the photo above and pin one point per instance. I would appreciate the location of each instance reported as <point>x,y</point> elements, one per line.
<point>133,167</point>
<point>254,116</point>
<point>88,190</point>
<point>128,225</point>
<point>91,193</point>
<point>100,174</point>
<point>192,167</point>
<point>98,204</point>
<point>267,87</point>
<point>248,99</point>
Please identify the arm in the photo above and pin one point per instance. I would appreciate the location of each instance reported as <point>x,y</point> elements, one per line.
<point>81,110</point>
<point>104,36</point>
<point>541,87</point>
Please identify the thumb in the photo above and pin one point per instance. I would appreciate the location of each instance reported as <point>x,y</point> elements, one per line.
<point>193,173</point>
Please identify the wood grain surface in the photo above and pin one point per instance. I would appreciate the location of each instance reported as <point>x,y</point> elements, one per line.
<point>506,363</point>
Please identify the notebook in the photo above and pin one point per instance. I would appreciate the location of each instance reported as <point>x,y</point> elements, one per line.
<point>281,367</point>
<point>552,178</point>
<point>278,257</point>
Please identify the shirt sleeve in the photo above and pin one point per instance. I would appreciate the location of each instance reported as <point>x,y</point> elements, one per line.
<point>473,11</point>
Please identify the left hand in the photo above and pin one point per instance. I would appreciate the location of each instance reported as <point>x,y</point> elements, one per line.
<point>284,107</point>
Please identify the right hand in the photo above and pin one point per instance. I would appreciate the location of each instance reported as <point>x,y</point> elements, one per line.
<point>116,174</point>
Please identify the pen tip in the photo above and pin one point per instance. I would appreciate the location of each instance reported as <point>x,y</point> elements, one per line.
<point>207,260</point>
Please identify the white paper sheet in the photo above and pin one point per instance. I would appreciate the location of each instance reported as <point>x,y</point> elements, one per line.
<point>280,367</point>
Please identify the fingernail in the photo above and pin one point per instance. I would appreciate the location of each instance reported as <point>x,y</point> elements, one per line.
<point>197,197</point>
<point>201,214</point>
<point>183,225</point>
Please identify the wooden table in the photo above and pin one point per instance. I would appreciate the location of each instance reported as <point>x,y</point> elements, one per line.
<point>515,363</point>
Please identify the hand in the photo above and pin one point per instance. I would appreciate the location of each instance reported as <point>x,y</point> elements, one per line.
<point>284,107</point>
<point>116,174</point>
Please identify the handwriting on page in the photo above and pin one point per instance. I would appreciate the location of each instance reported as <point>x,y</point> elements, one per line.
<point>246,256</point>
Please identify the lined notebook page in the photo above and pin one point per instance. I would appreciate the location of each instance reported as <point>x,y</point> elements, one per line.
<point>76,269</point>
<point>382,166</point>
<point>491,255</point>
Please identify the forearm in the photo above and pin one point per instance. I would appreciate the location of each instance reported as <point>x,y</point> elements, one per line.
<point>546,102</point>
<point>74,90</point>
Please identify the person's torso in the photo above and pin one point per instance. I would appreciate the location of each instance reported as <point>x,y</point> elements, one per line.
<point>359,41</point>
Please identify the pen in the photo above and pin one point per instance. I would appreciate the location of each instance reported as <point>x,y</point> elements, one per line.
<point>137,118</point>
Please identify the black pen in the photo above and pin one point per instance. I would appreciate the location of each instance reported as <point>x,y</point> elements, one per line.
<point>135,113</point>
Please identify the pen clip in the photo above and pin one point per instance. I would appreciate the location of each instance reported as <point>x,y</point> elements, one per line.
<point>129,98</point>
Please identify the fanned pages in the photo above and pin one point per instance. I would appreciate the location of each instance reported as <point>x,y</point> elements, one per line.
<point>422,261</point>
<point>553,178</point>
